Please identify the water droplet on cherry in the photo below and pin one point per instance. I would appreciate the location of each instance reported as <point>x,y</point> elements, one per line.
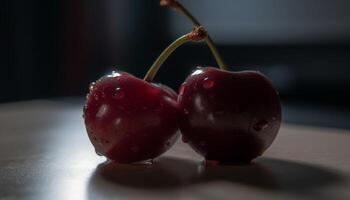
<point>182,90</point>
<point>96,97</point>
<point>197,71</point>
<point>85,113</point>
<point>208,83</point>
<point>260,125</point>
<point>186,112</point>
<point>118,121</point>
<point>148,162</point>
<point>119,94</point>
<point>113,74</point>
<point>211,118</point>
<point>92,85</point>
<point>102,111</point>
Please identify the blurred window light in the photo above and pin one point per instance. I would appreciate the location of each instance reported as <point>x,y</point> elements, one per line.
<point>270,21</point>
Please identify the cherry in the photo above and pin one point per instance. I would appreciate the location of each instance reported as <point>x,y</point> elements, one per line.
<point>227,116</point>
<point>131,120</point>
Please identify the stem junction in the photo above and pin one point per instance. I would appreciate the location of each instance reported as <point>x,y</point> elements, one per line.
<point>198,34</point>
<point>179,7</point>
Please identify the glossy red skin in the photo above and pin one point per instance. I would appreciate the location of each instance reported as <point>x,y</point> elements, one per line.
<point>130,120</point>
<point>229,116</point>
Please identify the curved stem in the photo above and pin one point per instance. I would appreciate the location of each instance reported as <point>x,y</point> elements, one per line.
<point>178,6</point>
<point>216,54</point>
<point>163,56</point>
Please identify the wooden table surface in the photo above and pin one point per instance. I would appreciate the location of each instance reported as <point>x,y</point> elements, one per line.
<point>45,154</point>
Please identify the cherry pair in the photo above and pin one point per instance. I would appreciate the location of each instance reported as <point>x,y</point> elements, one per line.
<point>224,116</point>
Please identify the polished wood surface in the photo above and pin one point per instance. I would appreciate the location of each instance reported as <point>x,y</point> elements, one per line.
<point>45,154</point>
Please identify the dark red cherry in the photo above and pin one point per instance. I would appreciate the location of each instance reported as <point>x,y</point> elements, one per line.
<point>130,120</point>
<point>229,116</point>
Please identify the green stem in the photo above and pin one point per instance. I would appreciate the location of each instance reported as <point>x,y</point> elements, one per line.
<point>163,56</point>
<point>216,54</point>
<point>209,41</point>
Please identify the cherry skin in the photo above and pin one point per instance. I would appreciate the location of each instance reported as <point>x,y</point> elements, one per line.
<point>130,120</point>
<point>229,116</point>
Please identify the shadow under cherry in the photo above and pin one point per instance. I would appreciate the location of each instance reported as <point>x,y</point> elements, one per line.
<point>171,173</point>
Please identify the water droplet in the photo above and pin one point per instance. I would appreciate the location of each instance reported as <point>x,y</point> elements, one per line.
<point>208,83</point>
<point>85,113</point>
<point>184,139</point>
<point>182,90</point>
<point>102,111</point>
<point>202,143</point>
<point>186,111</point>
<point>148,162</point>
<point>98,153</point>
<point>96,97</point>
<point>195,85</point>
<point>118,121</point>
<point>261,125</point>
<point>274,118</point>
<point>211,118</point>
<point>92,85</point>
<point>119,94</point>
<point>197,71</point>
<point>113,74</point>
<point>198,104</point>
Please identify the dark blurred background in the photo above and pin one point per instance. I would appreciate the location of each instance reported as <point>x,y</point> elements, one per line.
<point>52,49</point>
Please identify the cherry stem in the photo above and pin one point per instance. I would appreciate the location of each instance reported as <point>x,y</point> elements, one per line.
<point>179,7</point>
<point>198,34</point>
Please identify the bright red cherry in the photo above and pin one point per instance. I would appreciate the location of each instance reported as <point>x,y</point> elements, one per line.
<point>130,120</point>
<point>229,116</point>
